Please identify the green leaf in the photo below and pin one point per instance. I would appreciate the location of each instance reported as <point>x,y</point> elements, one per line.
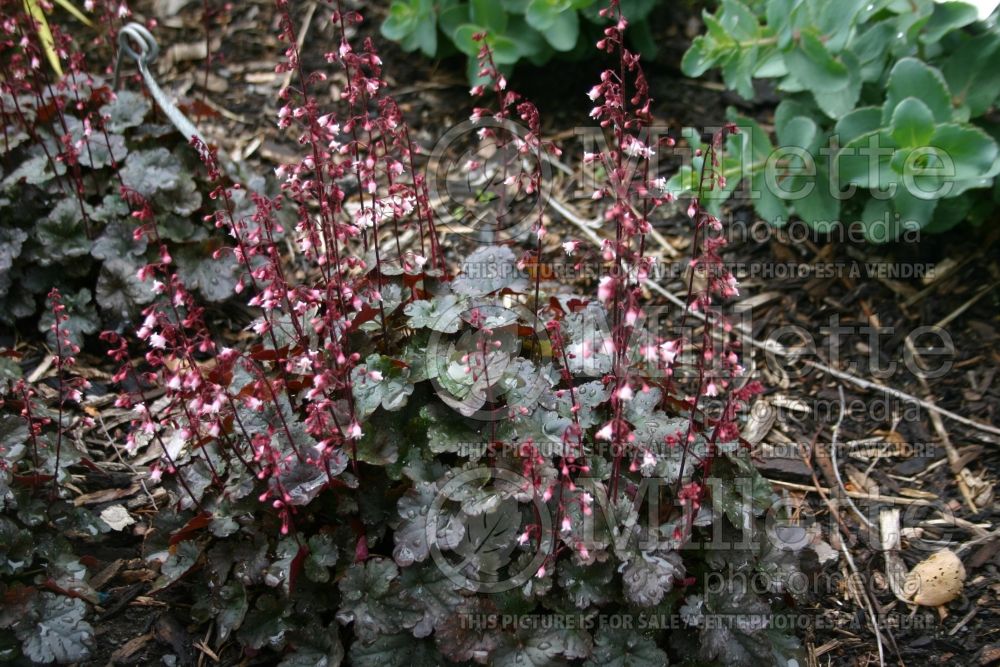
<point>860,121</point>
<point>215,278</point>
<point>432,592</point>
<point>530,647</point>
<point>912,78</point>
<point>62,233</point>
<point>878,221</point>
<point>972,74</point>
<point>541,14</point>
<point>737,637</point>
<point>489,13</point>
<point>947,16</point>
<point>17,547</point>
<point>119,290</point>
<point>265,625</point>
<point>970,150</point>
<point>370,598</point>
<point>452,18</point>
<point>464,41</point>
<point>650,576</point>
<point>698,58</point>
<point>587,585</point>
<point>815,67</point>
<point>515,6</point>
<point>837,103</point>
<point>401,21</point>
<point>866,160</point>
<point>912,123</point>
<point>738,20</point>
<point>423,37</point>
<point>800,132</point>
<point>233,606</point>
<point>315,646</point>
<point>487,270</point>
<point>395,650</point>
<point>914,212</point>
<point>183,557</point>
<point>625,648</point>
<point>505,50</point>
<point>151,171</point>
<point>410,537</point>
<point>55,630</point>
<point>836,22</point>
<point>564,31</point>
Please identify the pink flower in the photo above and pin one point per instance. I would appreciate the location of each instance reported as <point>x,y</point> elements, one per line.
<point>606,433</point>
<point>606,289</point>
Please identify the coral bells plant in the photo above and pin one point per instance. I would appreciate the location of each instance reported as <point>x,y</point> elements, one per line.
<point>395,458</point>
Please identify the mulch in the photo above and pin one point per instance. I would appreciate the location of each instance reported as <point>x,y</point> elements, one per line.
<point>886,452</point>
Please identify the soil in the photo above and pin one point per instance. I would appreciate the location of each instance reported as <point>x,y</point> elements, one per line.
<point>896,451</point>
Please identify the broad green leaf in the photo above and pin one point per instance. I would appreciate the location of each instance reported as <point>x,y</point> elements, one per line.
<point>866,160</point>
<point>648,577</point>
<point>738,20</point>
<point>265,624</point>
<point>837,103</point>
<point>860,121</point>
<point>815,67</point>
<point>534,647</point>
<point>233,606</point>
<point>800,132</point>
<point>505,50</point>
<point>972,74</point>
<point>878,220</point>
<point>55,630</point>
<point>912,78</point>
<point>914,212</point>
<point>463,38</point>
<point>215,278</point>
<point>62,232</point>
<point>563,31</point>
<point>401,21</point>
<point>452,18</point>
<point>970,150</point>
<point>487,270</point>
<point>371,600</point>
<point>423,37</point>
<point>836,21</point>
<point>541,14</point>
<point>315,646</point>
<point>947,16</point>
<point>489,13</point>
<point>394,650</point>
<point>912,123</point>
<point>625,648</point>
<point>431,591</point>
<point>698,58</point>
<point>737,71</point>
<point>119,290</point>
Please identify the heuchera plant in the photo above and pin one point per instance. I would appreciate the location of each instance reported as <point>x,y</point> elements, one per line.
<point>70,147</point>
<point>397,458</point>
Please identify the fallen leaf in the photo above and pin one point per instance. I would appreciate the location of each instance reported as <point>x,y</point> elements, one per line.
<point>936,580</point>
<point>117,517</point>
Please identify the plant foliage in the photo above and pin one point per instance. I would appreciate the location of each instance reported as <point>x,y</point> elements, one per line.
<point>885,112</point>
